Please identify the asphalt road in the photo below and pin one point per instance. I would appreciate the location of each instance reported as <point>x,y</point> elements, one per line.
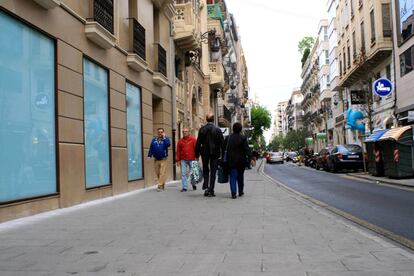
<point>390,208</point>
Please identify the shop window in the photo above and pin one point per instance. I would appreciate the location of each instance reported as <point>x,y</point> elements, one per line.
<point>97,165</point>
<point>27,112</point>
<point>134,132</point>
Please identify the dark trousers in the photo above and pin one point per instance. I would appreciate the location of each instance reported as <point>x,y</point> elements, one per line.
<point>210,165</point>
<point>236,175</point>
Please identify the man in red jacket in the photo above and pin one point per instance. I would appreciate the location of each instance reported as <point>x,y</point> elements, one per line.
<point>185,157</point>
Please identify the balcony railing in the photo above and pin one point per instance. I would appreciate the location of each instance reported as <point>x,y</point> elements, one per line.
<point>138,44</point>
<point>161,60</point>
<point>224,115</point>
<point>103,13</point>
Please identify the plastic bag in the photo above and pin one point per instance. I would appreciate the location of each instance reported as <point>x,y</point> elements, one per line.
<point>196,173</point>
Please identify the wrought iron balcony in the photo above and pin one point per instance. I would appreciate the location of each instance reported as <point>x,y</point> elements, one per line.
<point>103,13</point>
<point>186,26</point>
<point>224,116</point>
<point>160,74</point>
<point>136,59</point>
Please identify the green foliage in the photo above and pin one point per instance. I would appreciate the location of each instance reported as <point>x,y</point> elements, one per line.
<point>306,43</point>
<point>305,56</point>
<point>261,120</point>
<point>294,140</point>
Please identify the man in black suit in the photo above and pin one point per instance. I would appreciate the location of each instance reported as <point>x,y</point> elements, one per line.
<point>210,145</point>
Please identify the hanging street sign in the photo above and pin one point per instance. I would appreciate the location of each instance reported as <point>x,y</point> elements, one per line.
<point>383,87</point>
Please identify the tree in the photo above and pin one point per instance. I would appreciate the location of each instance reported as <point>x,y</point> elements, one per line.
<point>295,139</point>
<point>261,120</point>
<point>277,143</point>
<point>306,43</point>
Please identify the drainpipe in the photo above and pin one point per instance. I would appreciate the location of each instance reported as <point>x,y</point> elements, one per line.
<point>174,103</point>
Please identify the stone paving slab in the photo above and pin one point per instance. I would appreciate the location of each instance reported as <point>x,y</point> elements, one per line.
<point>269,231</point>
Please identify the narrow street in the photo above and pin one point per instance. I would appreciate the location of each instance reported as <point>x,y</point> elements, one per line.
<point>269,231</point>
<point>387,207</point>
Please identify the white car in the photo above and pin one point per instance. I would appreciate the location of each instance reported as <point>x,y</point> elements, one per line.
<point>275,157</point>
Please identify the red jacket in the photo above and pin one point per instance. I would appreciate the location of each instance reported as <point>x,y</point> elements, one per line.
<point>186,148</point>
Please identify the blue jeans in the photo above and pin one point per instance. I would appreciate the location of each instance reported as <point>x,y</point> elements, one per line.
<point>236,175</point>
<point>185,177</point>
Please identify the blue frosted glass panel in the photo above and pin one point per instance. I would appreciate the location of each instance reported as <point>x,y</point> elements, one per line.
<point>95,85</point>
<point>27,112</point>
<point>133,102</point>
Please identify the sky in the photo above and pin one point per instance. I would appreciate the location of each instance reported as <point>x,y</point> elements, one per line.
<point>270,31</point>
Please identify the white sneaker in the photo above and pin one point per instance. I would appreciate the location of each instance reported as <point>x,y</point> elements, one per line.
<point>159,190</point>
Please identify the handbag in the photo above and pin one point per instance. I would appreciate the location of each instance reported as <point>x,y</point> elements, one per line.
<point>222,174</point>
<point>225,157</point>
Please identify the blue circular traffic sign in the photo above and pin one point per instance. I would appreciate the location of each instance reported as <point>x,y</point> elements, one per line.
<point>383,87</point>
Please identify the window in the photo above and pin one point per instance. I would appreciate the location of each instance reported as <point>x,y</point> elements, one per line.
<point>354,50</point>
<point>95,85</point>
<point>138,39</point>
<point>372,18</point>
<point>344,59</point>
<point>103,13</point>
<point>134,131</point>
<point>386,20</point>
<point>388,71</point>
<point>406,61</point>
<point>405,18</point>
<point>349,54</point>
<point>362,36</point>
<point>27,112</point>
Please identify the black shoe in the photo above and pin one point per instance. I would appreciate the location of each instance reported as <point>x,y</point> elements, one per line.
<point>205,186</point>
<point>241,194</point>
<point>194,187</point>
<point>233,195</point>
<point>206,193</point>
<point>211,194</point>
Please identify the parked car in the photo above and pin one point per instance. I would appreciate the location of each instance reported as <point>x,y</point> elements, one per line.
<point>346,157</point>
<point>292,156</point>
<point>275,157</point>
<point>322,158</point>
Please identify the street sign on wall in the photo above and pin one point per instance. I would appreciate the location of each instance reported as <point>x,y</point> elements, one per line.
<point>383,87</point>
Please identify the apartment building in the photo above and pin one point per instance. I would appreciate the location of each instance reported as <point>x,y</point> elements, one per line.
<point>294,111</point>
<point>403,21</point>
<point>84,84</point>
<point>280,121</point>
<point>336,123</point>
<point>365,54</point>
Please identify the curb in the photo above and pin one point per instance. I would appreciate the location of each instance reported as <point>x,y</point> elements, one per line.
<point>380,180</point>
<point>406,243</point>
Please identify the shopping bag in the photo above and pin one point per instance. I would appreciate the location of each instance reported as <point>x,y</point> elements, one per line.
<point>196,173</point>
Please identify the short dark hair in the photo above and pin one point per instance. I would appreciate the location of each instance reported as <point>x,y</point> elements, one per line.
<point>161,129</point>
<point>237,127</point>
<point>210,118</point>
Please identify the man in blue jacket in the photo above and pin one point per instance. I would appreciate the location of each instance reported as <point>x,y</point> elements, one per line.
<point>159,150</point>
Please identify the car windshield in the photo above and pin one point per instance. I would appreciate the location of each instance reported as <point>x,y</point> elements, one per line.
<point>353,148</point>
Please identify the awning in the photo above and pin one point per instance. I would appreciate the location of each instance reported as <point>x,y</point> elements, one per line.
<point>374,137</point>
<point>395,133</point>
<point>309,141</point>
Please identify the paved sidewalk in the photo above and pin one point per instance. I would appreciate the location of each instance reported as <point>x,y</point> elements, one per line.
<point>269,231</point>
<point>402,182</point>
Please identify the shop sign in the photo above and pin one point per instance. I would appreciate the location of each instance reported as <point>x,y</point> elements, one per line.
<point>383,87</point>
<point>357,97</point>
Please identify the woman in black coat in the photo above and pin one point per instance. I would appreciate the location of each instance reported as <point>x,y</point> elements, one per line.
<point>238,157</point>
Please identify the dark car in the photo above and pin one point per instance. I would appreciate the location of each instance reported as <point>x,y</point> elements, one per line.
<point>346,157</point>
<point>322,158</point>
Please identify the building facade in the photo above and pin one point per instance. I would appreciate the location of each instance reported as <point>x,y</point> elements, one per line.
<point>84,86</point>
<point>294,111</point>
<point>403,19</point>
<point>280,121</point>
<point>365,54</point>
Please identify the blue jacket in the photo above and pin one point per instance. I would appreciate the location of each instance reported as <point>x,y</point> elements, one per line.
<point>159,148</point>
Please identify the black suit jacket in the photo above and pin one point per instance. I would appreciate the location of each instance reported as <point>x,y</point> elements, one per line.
<point>210,141</point>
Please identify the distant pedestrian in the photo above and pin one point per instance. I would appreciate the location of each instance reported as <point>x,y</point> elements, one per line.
<point>159,150</point>
<point>238,157</point>
<point>209,145</point>
<point>185,157</point>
